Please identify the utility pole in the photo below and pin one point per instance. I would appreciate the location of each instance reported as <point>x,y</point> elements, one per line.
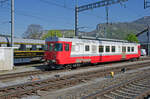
<point>148,46</point>
<point>107,14</point>
<point>76,20</point>
<point>107,23</point>
<point>12,23</point>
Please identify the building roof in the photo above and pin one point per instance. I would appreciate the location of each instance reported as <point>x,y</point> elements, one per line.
<point>21,40</point>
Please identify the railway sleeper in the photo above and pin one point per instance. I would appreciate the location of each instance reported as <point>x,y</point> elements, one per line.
<point>136,86</point>
<point>126,92</point>
<point>103,97</point>
<point>112,96</point>
<point>145,85</point>
<point>121,95</point>
<point>145,82</point>
<point>129,91</point>
<point>133,89</point>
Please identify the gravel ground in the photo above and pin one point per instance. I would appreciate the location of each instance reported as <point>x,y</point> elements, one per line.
<point>76,92</point>
<point>9,82</point>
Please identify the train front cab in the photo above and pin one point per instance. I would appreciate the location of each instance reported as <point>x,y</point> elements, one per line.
<point>57,52</point>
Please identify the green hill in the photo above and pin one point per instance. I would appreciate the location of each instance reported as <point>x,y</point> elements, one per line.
<point>120,30</point>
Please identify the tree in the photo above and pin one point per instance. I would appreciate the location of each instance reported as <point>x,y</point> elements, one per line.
<point>33,31</point>
<point>52,33</point>
<point>132,38</point>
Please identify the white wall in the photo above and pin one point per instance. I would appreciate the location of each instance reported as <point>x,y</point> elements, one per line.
<point>6,58</point>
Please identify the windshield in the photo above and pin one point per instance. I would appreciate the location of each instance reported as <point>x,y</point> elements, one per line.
<point>58,47</point>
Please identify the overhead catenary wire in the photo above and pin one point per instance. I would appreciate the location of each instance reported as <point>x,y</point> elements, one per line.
<point>23,13</point>
<point>55,3</point>
<point>68,8</point>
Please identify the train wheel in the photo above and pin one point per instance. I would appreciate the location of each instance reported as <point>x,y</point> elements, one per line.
<point>74,66</point>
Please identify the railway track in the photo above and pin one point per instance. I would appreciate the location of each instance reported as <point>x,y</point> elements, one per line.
<point>136,88</point>
<point>54,83</point>
<point>40,72</point>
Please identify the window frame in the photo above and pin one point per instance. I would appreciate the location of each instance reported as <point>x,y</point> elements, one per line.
<point>66,46</point>
<point>58,47</point>
<point>129,49</point>
<point>124,49</point>
<point>107,49</point>
<point>132,49</point>
<point>102,49</point>
<point>87,47</point>
<point>113,50</point>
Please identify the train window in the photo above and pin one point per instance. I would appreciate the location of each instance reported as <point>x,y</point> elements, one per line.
<point>132,49</point>
<point>66,47</point>
<point>128,49</point>
<point>113,49</point>
<point>107,48</point>
<point>58,47</point>
<point>101,48</point>
<point>34,47</point>
<point>22,47</point>
<point>50,47</point>
<point>123,49</point>
<point>87,48</point>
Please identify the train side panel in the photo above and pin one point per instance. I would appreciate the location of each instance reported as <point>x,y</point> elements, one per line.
<point>72,51</point>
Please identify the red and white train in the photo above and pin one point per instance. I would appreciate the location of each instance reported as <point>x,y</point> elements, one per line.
<point>64,51</point>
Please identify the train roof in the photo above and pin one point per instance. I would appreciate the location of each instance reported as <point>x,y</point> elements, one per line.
<point>21,41</point>
<point>85,39</point>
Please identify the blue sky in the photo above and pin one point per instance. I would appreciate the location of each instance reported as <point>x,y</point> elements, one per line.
<point>59,14</point>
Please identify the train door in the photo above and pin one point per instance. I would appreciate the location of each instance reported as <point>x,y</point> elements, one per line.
<point>49,50</point>
<point>67,50</point>
<point>87,53</point>
<point>123,52</point>
<point>101,51</point>
<point>139,51</point>
<point>81,48</point>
